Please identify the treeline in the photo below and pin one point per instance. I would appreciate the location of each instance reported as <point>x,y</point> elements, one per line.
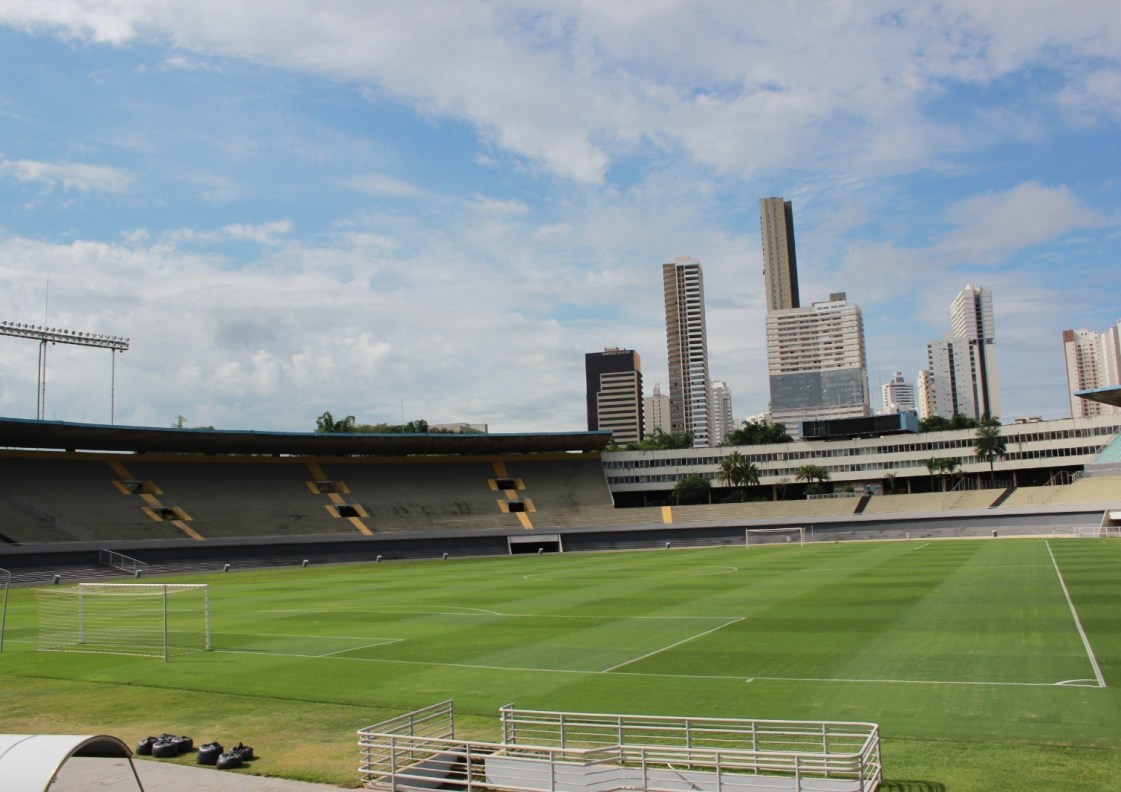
<point>328,424</point>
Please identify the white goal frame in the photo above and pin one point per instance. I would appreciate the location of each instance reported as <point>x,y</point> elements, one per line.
<point>793,533</point>
<point>142,619</point>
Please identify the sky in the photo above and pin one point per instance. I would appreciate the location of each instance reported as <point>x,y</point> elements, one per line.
<point>403,210</point>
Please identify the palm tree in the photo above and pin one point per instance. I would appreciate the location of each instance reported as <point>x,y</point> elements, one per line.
<point>933,464</point>
<point>739,471</point>
<point>814,474</point>
<point>989,444</point>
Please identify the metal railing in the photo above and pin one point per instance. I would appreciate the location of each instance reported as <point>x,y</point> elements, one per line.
<point>123,562</point>
<point>580,752</point>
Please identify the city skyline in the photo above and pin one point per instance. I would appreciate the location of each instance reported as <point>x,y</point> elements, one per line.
<point>352,207</point>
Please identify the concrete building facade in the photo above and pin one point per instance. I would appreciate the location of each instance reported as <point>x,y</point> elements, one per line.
<point>723,421</point>
<point>817,363</point>
<point>614,393</point>
<point>963,366</point>
<point>687,350</point>
<point>1093,360</point>
<point>780,262</point>
<point>898,395</point>
<point>656,412</point>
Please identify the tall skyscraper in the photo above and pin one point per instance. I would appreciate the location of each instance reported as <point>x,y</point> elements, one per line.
<point>780,264</point>
<point>614,393</point>
<point>687,350</point>
<point>817,363</point>
<point>656,412</point>
<point>1093,360</point>
<point>924,384</point>
<point>963,366</point>
<point>722,420</point>
<point>898,395</point>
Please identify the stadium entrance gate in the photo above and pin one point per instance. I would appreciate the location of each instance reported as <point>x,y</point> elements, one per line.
<point>537,543</point>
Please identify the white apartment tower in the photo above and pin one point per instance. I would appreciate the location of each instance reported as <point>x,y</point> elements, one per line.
<point>656,412</point>
<point>722,420</point>
<point>1093,360</point>
<point>898,395</point>
<point>817,363</point>
<point>687,350</point>
<point>963,367</point>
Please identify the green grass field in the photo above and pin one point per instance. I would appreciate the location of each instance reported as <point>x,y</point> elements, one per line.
<point>989,664</point>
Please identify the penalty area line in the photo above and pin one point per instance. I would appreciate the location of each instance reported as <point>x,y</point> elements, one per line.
<point>673,645</point>
<point>1077,622</point>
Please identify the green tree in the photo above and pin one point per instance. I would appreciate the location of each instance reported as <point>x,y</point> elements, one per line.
<point>740,472</point>
<point>889,483</point>
<point>815,475</point>
<point>326,423</point>
<point>989,443</point>
<point>936,423</point>
<point>757,433</point>
<point>661,441</point>
<point>692,489</point>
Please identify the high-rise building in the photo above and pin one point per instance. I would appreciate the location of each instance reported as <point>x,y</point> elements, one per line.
<point>971,317</point>
<point>780,264</point>
<point>924,384</point>
<point>898,395</point>
<point>687,350</point>
<point>614,393</point>
<point>963,366</point>
<point>656,412</point>
<point>817,363</point>
<point>1093,360</point>
<point>722,420</point>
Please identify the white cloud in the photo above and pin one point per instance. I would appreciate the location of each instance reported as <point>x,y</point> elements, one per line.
<point>380,184</point>
<point>991,226</point>
<point>67,175</point>
<point>571,87</point>
<point>265,233</point>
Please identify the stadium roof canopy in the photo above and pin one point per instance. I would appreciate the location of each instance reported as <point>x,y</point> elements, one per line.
<point>1108,395</point>
<point>29,434</point>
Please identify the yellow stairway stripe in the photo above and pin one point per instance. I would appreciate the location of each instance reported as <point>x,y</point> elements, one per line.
<point>182,526</point>
<point>523,518</point>
<point>667,515</point>
<point>361,526</point>
<point>120,469</point>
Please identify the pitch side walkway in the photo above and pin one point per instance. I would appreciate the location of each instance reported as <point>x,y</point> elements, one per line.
<point>81,774</point>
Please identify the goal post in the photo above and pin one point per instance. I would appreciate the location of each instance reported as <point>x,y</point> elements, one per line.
<point>5,584</point>
<point>795,534</point>
<point>144,619</point>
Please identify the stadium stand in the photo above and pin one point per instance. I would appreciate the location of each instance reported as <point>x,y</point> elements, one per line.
<point>1105,489</point>
<point>427,493</point>
<point>64,498</point>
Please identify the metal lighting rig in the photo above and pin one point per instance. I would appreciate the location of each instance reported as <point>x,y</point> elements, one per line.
<point>45,335</point>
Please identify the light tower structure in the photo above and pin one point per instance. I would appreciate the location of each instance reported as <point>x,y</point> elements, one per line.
<point>52,335</point>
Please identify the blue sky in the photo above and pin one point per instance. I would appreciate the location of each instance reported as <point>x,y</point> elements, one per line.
<point>434,210</point>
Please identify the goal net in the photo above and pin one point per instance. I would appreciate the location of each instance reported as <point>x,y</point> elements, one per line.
<point>770,536</point>
<point>146,619</point>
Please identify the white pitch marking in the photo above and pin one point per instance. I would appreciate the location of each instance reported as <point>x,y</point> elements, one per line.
<point>1077,622</point>
<point>842,680</point>
<point>674,645</point>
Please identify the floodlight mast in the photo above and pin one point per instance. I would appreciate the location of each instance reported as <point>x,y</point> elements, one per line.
<point>54,335</point>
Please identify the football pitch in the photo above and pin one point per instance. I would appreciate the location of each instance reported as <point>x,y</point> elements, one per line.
<point>989,664</point>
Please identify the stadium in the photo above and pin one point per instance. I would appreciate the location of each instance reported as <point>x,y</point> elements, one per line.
<point>485,603</point>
